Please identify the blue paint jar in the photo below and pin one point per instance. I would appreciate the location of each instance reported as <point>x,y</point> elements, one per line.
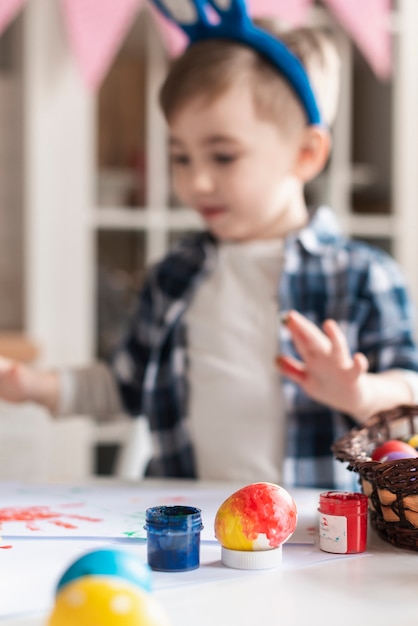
<point>173,538</point>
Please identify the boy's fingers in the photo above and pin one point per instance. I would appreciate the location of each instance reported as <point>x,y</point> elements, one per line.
<point>360,363</point>
<point>338,341</point>
<point>308,338</point>
<point>291,367</point>
<point>6,366</point>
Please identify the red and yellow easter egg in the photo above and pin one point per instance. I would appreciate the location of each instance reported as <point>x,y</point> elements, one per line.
<point>92,600</point>
<point>260,516</point>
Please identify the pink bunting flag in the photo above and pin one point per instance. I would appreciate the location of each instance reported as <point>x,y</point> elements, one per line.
<point>96,29</point>
<point>367,21</point>
<point>174,39</point>
<point>8,11</point>
<point>292,12</point>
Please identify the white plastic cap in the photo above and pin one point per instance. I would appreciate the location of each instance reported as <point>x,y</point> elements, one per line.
<point>246,559</point>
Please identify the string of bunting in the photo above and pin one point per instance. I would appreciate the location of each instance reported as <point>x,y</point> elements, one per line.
<point>97,28</point>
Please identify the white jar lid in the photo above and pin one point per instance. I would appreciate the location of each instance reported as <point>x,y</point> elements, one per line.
<point>254,559</point>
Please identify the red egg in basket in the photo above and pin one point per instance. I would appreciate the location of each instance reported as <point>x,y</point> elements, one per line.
<point>394,445</point>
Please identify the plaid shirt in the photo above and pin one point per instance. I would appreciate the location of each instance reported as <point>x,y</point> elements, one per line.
<point>325,275</point>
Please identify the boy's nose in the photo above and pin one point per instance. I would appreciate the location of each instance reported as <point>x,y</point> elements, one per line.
<point>202,180</point>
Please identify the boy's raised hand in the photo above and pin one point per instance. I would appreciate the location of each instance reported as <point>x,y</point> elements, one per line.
<point>20,383</point>
<point>15,381</point>
<point>327,372</point>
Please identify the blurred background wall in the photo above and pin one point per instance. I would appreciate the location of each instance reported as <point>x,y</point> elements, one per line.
<point>85,196</point>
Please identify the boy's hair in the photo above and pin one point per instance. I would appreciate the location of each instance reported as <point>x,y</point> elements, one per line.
<point>209,67</point>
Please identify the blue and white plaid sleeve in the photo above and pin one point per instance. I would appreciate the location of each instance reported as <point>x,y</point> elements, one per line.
<point>386,335</point>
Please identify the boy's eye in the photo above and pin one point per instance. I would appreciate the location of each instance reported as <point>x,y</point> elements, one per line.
<point>179,159</point>
<point>224,158</point>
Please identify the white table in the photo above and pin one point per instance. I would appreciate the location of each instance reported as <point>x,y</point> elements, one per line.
<point>379,589</point>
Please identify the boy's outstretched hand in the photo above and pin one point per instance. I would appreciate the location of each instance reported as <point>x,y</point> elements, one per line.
<point>19,383</point>
<point>329,374</point>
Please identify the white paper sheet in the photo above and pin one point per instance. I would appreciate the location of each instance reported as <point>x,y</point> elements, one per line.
<point>103,512</point>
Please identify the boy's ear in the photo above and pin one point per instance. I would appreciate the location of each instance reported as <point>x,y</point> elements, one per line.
<point>314,149</point>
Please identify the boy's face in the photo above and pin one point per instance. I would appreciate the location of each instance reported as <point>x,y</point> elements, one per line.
<point>234,168</point>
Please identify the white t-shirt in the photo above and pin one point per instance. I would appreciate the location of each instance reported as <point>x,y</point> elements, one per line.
<point>235,403</point>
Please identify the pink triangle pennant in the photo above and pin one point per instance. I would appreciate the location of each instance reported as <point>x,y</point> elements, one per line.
<point>96,28</point>
<point>8,11</point>
<point>293,12</point>
<point>174,39</point>
<point>367,21</point>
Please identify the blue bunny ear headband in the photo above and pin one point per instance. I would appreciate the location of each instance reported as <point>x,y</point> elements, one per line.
<point>235,24</point>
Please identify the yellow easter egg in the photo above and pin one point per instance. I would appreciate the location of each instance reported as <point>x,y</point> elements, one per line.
<point>260,516</point>
<point>106,601</point>
<point>413,441</point>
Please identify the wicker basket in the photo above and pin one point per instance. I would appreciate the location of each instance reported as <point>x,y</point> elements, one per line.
<point>392,487</point>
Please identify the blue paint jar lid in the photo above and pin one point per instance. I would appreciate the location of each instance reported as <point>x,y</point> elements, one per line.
<point>178,519</point>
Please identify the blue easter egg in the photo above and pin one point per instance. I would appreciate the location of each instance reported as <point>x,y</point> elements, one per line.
<point>109,562</point>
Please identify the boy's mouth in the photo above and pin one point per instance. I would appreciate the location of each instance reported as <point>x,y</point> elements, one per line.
<point>211,212</point>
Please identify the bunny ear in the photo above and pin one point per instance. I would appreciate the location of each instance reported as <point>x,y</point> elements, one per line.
<point>181,13</point>
<point>171,11</point>
<point>192,15</point>
<point>189,15</point>
<point>188,11</point>
<point>228,19</point>
<point>221,5</point>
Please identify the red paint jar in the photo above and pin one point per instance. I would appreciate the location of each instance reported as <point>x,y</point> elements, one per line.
<point>342,522</point>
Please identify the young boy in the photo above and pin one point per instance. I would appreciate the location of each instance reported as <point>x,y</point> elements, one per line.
<point>201,360</point>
